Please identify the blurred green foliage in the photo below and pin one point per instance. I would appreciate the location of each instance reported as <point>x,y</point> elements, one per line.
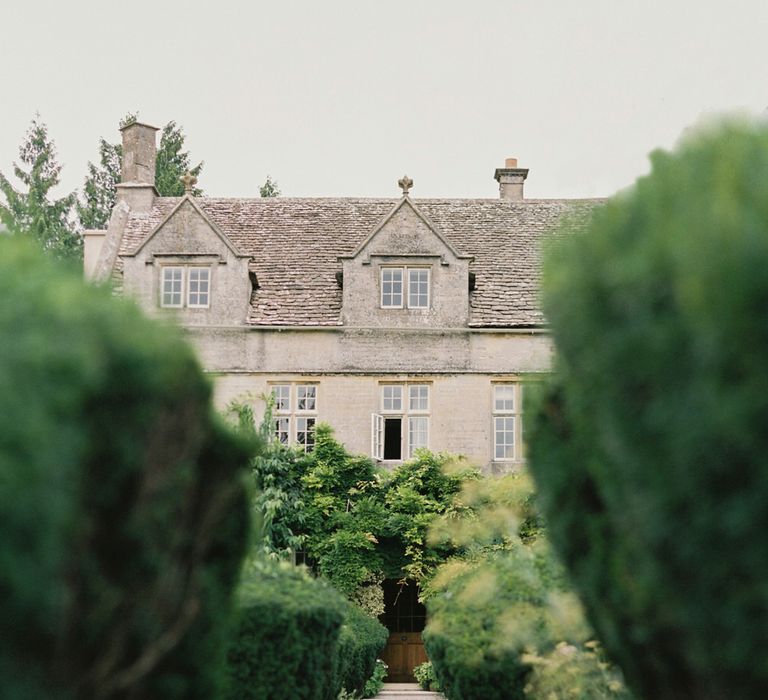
<point>286,638</point>
<point>426,678</point>
<point>362,638</point>
<point>123,515</point>
<point>650,445</point>
<point>296,638</point>
<point>500,609</point>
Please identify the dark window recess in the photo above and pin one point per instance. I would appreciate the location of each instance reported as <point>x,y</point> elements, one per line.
<point>303,558</point>
<point>402,610</point>
<point>393,433</point>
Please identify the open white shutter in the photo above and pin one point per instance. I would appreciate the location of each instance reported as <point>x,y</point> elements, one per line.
<point>377,436</point>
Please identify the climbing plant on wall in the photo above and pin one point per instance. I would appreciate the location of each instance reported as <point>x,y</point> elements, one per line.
<point>355,522</point>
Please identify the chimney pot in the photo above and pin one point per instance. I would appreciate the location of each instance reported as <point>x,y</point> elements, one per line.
<point>511,179</point>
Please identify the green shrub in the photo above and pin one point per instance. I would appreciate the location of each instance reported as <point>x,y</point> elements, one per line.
<point>375,683</point>
<point>123,517</point>
<point>500,610</point>
<point>481,622</point>
<point>286,642</point>
<point>362,638</point>
<point>650,446</point>
<point>573,672</point>
<point>425,676</point>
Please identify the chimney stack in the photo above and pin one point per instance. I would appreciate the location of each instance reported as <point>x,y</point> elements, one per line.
<point>137,182</point>
<point>511,179</point>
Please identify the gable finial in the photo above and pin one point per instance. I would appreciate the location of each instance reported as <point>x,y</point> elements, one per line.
<point>189,181</point>
<point>405,183</point>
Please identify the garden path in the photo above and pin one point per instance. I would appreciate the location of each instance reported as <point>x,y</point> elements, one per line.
<point>406,691</point>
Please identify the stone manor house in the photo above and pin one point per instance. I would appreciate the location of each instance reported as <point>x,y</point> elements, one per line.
<point>403,323</point>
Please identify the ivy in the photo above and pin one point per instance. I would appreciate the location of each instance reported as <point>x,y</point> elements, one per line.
<point>355,522</point>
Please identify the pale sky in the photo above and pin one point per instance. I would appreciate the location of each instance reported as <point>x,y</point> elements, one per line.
<point>343,97</point>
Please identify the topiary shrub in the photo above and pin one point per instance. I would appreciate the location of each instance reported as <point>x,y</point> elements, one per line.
<point>123,517</point>
<point>286,639</point>
<point>650,446</point>
<point>362,638</point>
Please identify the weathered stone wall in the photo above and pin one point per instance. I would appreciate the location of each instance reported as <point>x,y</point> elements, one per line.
<point>187,239</point>
<point>406,240</point>
<point>349,365</point>
<point>460,415</point>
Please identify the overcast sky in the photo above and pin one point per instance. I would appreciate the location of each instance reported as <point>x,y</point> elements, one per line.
<point>342,97</point>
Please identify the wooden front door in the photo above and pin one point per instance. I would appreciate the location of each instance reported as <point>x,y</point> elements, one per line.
<point>404,616</point>
<point>404,651</point>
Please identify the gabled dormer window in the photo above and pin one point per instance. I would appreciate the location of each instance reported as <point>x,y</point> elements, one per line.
<point>403,287</point>
<point>185,285</point>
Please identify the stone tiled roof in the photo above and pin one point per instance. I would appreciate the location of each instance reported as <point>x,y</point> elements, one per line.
<point>295,244</point>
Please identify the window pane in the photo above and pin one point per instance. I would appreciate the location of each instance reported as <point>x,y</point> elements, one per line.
<point>504,397</point>
<point>418,427</point>
<point>392,398</point>
<point>391,286</point>
<point>305,433</point>
<point>504,438</point>
<point>418,397</point>
<point>172,282</point>
<point>418,289</point>
<point>282,429</point>
<point>282,395</point>
<point>306,395</point>
<point>199,285</point>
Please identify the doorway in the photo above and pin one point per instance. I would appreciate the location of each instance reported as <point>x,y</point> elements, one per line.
<point>405,617</point>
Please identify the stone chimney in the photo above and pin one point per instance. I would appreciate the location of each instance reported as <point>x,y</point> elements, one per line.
<point>511,179</point>
<point>137,184</point>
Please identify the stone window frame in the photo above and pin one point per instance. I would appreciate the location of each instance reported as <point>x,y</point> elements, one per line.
<point>410,417</point>
<point>294,425</point>
<point>507,419</point>
<point>185,291</point>
<point>405,286</point>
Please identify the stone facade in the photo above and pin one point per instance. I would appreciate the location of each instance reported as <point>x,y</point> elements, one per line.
<point>400,322</point>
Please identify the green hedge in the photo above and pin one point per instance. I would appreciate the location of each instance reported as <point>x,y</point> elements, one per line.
<point>286,641</point>
<point>297,638</point>
<point>650,445</point>
<point>362,638</point>
<point>123,517</point>
<point>480,625</point>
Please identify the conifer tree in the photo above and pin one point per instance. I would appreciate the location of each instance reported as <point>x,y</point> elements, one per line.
<point>172,162</point>
<point>99,190</point>
<point>31,210</point>
<point>270,188</point>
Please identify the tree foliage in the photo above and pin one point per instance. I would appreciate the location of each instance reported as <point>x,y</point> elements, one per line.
<point>356,523</point>
<point>100,187</point>
<point>270,188</point>
<point>123,512</point>
<point>173,162</point>
<point>32,210</point>
<point>649,444</point>
<point>502,621</point>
